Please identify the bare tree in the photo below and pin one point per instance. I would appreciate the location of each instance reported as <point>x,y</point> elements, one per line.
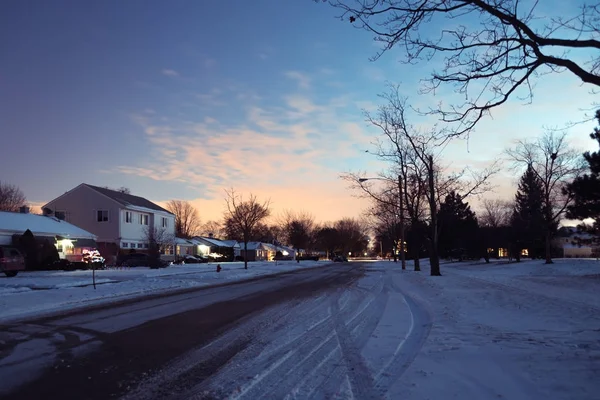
<point>495,213</point>
<point>491,48</point>
<point>187,220</point>
<point>556,165</point>
<point>214,228</point>
<point>244,216</point>
<point>11,197</point>
<point>298,228</point>
<point>413,158</point>
<point>159,240</point>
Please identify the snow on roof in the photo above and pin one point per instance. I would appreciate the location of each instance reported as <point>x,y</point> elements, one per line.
<point>128,199</point>
<point>214,242</point>
<point>41,225</point>
<point>231,243</point>
<point>183,242</point>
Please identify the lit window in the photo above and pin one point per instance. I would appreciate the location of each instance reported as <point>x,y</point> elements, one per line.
<point>102,215</point>
<point>128,217</point>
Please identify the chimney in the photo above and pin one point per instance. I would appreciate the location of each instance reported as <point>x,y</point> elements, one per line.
<point>47,212</point>
<point>210,235</point>
<point>24,209</point>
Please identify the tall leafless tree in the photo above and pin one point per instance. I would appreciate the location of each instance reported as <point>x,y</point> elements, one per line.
<point>11,197</point>
<point>244,216</point>
<point>298,228</point>
<point>187,220</point>
<point>556,164</point>
<point>414,156</point>
<point>493,49</point>
<point>495,213</point>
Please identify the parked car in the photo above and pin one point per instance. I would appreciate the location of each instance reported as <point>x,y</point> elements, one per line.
<point>194,259</point>
<point>11,261</point>
<point>340,259</point>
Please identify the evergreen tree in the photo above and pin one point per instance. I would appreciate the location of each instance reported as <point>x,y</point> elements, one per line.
<point>528,222</point>
<point>586,189</point>
<point>457,227</point>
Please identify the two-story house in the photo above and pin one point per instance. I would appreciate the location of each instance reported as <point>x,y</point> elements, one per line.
<point>121,221</point>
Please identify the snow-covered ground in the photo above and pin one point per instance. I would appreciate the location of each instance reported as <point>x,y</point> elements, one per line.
<point>35,293</point>
<point>500,331</point>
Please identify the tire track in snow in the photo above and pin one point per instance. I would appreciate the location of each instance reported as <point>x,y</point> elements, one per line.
<point>310,349</point>
<point>408,349</point>
<point>360,330</point>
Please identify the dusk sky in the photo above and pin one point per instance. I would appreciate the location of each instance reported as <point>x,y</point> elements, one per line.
<point>183,99</point>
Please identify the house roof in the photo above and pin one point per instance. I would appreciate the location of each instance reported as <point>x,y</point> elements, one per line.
<point>231,243</point>
<point>183,242</point>
<point>215,242</point>
<point>128,200</point>
<point>41,225</point>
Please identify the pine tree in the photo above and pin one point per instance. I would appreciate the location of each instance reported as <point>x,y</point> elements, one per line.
<point>586,189</point>
<point>528,222</point>
<point>458,227</point>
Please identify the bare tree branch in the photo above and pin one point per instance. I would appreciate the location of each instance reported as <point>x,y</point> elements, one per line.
<point>11,197</point>
<point>486,60</point>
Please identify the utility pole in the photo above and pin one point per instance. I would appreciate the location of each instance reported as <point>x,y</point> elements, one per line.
<point>401,205</point>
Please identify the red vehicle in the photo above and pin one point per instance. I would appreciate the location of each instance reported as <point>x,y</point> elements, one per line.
<point>11,261</point>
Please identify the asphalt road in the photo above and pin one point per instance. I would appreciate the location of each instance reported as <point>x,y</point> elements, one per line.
<point>172,346</point>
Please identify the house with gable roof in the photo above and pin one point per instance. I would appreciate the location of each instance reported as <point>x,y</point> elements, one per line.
<point>120,221</point>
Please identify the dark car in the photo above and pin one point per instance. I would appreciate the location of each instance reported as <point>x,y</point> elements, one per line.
<point>340,259</point>
<point>11,261</point>
<point>194,259</point>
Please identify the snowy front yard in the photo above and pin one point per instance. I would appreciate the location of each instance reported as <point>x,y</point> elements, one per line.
<point>35,293</point>
<point>509,331</point>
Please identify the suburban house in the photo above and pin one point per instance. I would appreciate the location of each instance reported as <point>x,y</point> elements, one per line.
<point>69,239</point>
<point>575,243</point>
<point>185,247</point>
<point>216,248</point>
<point>257,251</point>
<point>120,221</point>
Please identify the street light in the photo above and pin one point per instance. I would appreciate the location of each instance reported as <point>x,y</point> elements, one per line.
<point>401,207</point>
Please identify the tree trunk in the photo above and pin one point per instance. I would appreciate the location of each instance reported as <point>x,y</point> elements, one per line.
<point>417,262</point>
<point>434,258</point>
<point>245,254</point>
<point>548,246</point>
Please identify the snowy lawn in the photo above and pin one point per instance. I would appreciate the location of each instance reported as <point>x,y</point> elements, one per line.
<point>34,293</point>
<point>507,331</point>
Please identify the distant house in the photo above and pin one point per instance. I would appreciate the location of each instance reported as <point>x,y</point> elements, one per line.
<point>69,239</point>
<point>120,221</point>
<point>184,247</point>
<point>226,249</point>
<point>575,243</point>
<point>257,251</point>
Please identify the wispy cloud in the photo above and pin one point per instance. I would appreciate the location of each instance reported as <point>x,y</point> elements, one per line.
<point>170,72</point>
<point>302,79</point>
<point>276,146</point>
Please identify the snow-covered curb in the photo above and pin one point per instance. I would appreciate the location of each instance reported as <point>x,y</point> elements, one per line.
<point>37,294</point>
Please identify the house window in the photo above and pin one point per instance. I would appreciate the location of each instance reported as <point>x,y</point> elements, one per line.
<point>144,219</point>
<point>102,215</point>
<point>125,245</point>
<point>164,222</point>
<point>128,217</point>
<point>140,245</point>
<point>60,215</point>
<point>145,245</point>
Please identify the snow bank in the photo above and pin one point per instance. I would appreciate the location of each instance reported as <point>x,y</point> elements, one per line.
<point>33,293</point>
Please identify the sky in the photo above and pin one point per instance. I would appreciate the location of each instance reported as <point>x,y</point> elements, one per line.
<point>185,99</point>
